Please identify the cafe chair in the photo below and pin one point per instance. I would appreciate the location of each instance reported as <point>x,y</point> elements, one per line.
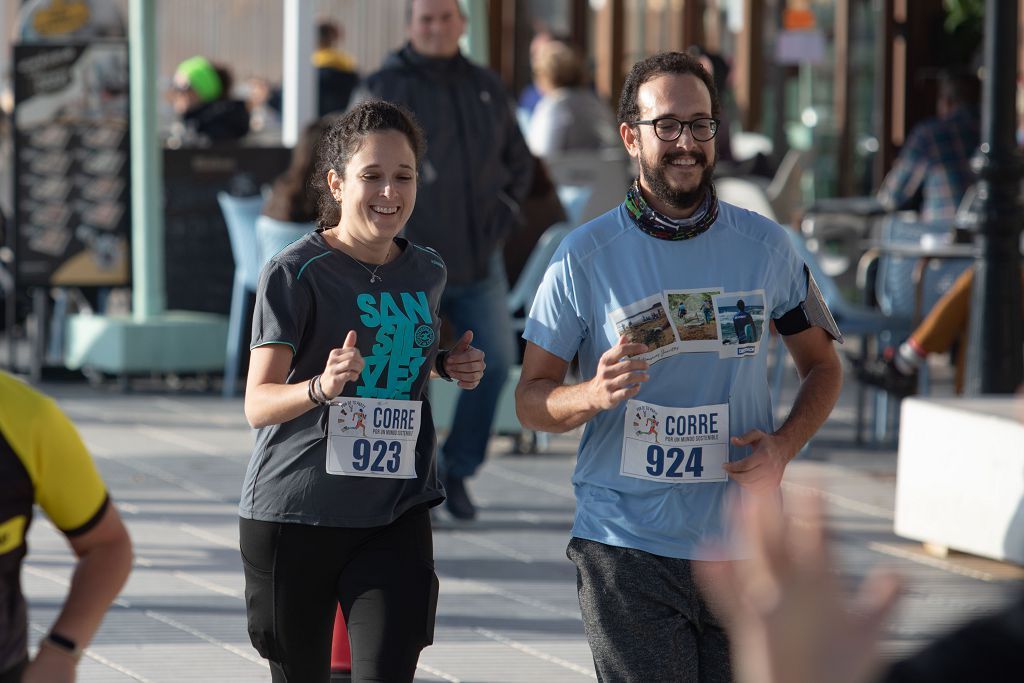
<point>784,192</point>
<point>520,296</point>
<point>273,235</point>
<point>746,194</point>
<point>910,285</point>
<point>574,199</point>
<point>874,327</point>
<point>607,172</point>
<point>240,214</point>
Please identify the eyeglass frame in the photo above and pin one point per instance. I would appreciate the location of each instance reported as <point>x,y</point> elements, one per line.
<point>683,125</point>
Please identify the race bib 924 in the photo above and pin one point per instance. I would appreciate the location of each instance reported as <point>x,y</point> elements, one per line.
<point>675,445</point>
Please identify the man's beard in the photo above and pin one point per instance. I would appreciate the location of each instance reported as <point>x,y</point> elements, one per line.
<point>657,180</point>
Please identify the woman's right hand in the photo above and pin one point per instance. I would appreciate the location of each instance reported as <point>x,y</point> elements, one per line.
<point>343,365</point>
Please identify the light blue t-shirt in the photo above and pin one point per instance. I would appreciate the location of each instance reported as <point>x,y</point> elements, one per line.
<point>608,275</point>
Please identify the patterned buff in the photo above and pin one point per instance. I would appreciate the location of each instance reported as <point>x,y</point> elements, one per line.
<point>665,228</point>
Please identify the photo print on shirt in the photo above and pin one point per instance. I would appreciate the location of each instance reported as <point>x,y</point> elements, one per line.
<point>693,316</point>
<point>671,322</point>
<point>741,322</point>
<point>647,322</point>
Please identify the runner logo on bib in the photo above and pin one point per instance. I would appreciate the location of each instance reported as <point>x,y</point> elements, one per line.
<point>675,445</point>
<point>373,438</point>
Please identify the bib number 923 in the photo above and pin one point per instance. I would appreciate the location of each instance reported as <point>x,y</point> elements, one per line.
<point>674,463</point>
<point>376,456</point>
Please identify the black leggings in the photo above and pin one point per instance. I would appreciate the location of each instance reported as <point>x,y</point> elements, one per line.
<point>383,578</point>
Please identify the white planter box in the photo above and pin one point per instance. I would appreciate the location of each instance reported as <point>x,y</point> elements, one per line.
<point>960,477</point>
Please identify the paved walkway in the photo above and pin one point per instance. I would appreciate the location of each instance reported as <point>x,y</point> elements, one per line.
<point>508,610</point>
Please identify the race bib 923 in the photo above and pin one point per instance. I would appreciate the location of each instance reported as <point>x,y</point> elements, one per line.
<point>373,438</point>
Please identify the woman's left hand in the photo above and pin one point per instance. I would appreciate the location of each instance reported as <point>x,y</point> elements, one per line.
<point>464,363</point>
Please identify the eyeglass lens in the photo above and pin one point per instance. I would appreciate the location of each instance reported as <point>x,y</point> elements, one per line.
<point>669,129</point>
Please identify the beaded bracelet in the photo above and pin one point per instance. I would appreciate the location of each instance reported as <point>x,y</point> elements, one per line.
<point>320,392</point>
<point>311,391</point>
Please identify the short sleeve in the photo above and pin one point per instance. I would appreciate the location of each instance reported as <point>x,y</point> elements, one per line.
<point>68,486</point>
<point>557,323</point>
<point>800,305</point>
<point>791,280</point>
<point>282,307</point>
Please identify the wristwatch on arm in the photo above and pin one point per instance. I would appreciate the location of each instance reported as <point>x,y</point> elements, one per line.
<point>62,644</point>
<point>442,356</point>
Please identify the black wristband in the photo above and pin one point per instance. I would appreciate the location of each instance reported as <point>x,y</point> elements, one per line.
<point>442,356</point>
<point>63,644</point>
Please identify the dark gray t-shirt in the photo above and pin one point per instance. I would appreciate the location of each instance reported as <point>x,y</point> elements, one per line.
<point>309,297</point>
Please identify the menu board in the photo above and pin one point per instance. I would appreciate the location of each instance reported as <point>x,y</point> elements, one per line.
<point>198,265</point>
<point>72,215</point>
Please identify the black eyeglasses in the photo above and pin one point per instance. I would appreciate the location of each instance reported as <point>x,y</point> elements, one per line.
<point>669,128</point>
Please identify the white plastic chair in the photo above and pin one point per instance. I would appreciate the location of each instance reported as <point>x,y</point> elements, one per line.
<point>240,214</point>
<point>574,199</point>
<point>745,194</point>
<point>606,172</point>
<point>520,297</point>
<point>273,235</point>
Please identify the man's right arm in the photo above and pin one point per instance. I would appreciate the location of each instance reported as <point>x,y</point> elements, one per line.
<point>544,401</point>
<point>104,562</point>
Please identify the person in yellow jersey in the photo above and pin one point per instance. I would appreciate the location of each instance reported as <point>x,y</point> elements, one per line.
<point>43,461</point>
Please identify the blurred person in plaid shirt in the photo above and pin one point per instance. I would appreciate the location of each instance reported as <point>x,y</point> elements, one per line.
<point>935,160</point>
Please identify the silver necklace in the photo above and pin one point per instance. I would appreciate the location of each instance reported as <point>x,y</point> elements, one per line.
<point>374,278</point>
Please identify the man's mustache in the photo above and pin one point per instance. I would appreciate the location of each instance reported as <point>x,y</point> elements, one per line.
<point>699,157</point>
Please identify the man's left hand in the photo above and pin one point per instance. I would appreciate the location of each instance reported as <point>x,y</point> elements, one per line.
<point>762,470</point>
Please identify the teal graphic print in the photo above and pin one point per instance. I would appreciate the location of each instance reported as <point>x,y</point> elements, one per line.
<point>398,351</point>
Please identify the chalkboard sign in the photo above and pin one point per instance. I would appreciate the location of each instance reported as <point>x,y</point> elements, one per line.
<point>72,216</point>
<point>198,264</point>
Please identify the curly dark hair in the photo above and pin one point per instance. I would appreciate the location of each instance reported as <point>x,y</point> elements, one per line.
<point>657,65</point>
<point>342,140</point>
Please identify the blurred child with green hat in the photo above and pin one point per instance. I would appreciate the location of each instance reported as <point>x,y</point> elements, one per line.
<point>201,97</point>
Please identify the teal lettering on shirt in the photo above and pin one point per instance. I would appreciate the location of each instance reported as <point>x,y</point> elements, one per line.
<point>395,359</point>
<point>366,303</point>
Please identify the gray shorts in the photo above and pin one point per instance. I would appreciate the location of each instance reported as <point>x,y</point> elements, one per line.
<point>645,619</point>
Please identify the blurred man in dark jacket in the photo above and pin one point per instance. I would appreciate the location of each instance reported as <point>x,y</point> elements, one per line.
<point>473,179</point>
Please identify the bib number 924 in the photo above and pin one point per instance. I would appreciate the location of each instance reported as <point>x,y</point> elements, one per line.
<point>376,456</point>
<point>674,463</point>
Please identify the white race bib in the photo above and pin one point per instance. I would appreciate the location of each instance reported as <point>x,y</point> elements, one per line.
<point>675,445</point>
<point>369,437</point>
